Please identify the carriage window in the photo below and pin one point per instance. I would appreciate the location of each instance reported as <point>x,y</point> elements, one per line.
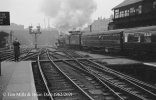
<point>134,38</point>
<point>100,36</point>
<point>153,38</point>
<point>147,37</point>
<point>126,37</point>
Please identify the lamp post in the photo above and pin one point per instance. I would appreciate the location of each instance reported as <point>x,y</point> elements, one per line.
<point>38,31</point>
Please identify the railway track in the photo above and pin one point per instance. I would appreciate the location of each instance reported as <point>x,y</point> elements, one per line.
<point>25,54</point>
<point>102,90</point>
<point>6,53</point>
<point>92,84</point>
<point>59,84</point>
<point>139,89</point>
<point>58,55</point>
<point>68,75</point>
<point>119,81</point>
<point>71,53</point>
<point>32,55</point>
<point>147,86</point>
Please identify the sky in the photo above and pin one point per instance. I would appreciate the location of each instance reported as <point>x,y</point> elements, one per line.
<point>58,13</point>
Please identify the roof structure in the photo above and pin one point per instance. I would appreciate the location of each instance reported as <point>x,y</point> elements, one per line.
<point>127,2</point>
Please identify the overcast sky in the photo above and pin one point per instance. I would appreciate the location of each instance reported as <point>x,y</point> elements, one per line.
<point>75,12</point>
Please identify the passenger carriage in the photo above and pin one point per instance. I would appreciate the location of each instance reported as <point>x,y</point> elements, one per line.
<point>139,41</point>
<point>105,41</point>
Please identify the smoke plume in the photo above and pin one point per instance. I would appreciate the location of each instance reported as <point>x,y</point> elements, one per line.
<point>69,14</point>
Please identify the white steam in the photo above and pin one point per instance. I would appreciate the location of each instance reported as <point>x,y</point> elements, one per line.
<point>69,13</point>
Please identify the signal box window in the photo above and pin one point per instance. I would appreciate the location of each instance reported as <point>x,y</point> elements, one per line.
<point>132,11</point>
<point>126,12</point>
<point>117,13</point>
<point>122,14</point>
<point>139,10</point>
<point>154,5</point>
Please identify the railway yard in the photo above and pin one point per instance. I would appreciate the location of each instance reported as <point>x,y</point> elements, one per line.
<point>63,74</point>
<point>78,50</point>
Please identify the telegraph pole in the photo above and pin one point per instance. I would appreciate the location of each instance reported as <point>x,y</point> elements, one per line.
<point>10,39</point>
<point>38,31</point>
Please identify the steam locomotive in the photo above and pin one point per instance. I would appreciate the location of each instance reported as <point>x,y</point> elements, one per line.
<point>128,41</point>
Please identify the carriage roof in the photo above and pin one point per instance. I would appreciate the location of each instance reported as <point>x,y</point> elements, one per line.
<point>137,29</point>
<point>141,29</point>
<point>103,32</point>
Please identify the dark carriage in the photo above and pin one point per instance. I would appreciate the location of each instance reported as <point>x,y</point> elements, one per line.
<point>140,41</point>
<point>132,41</point>
<point>107,41</point>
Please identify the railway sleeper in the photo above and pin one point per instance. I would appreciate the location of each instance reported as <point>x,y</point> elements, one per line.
<point>62,90</point>
<point>67,98</point>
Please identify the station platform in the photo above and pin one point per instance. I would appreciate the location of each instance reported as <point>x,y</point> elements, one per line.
<point>153,64</point>
<point>109,60</point>
<point>17,81</point>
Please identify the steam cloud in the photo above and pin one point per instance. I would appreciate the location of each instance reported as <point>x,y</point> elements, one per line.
<point>69,13</point>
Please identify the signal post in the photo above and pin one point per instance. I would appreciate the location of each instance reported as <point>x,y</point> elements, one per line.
<point>35,32</point>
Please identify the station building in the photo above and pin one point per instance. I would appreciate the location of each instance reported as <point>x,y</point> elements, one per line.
<point>134,13</point>
<point>101,24</point>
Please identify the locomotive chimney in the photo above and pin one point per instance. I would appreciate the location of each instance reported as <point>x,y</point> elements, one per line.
<point>90,28</point>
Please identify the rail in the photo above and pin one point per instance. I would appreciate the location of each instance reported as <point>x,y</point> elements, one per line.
<point>44,79</point>
<point>89,97</point>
